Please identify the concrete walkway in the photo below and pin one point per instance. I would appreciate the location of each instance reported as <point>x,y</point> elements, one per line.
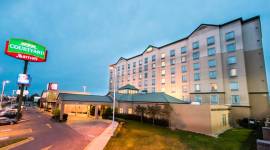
<point>101,141</point>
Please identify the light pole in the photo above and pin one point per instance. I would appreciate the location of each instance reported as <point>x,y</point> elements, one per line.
<point>3,89</point>
<point>114,90</point>
<point>84,88</point>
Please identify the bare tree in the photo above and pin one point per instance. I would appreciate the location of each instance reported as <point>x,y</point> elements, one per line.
<point>153,111</point>
<point>140,110</point>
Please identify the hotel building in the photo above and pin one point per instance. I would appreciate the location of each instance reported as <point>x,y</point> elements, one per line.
<point>216,64</point>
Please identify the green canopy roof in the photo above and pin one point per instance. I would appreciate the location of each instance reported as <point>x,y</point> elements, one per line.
<point>84,98</point>
<point>128,87</point>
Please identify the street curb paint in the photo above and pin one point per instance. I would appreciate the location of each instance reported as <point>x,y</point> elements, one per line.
<point>11,146</point>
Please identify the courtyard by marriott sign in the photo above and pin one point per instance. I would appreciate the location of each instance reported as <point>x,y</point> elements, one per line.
<point>26,50</point>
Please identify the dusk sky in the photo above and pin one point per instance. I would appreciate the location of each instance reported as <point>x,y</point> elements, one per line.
<point>83,37</point>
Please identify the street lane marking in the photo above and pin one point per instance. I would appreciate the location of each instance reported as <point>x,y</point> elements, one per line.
<point>11,146</point>
<point>6,130</point>
<point>16,132</point>
<point>4,138</point>
<point>47,148</point>
<point>48,125</point>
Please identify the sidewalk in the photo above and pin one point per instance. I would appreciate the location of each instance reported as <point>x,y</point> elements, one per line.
<point>101,141</point>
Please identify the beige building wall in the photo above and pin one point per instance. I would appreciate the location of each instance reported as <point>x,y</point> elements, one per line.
<point>251,76</point>
<point>205,119</point>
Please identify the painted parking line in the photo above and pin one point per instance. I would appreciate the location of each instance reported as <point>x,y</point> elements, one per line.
<point>15,132</point>
<point>11,146</point>
<point>48,125</point>
<point>6,130</point>
<point>47,148</point>
<point>4,138</point>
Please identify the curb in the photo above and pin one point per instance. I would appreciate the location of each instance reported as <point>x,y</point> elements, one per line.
<point>11,146</point>
<point>101,141</point>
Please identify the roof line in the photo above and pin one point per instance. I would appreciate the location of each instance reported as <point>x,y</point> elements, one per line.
<point>219,25</point>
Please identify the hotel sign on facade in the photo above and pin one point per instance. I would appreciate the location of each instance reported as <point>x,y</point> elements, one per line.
<point>26,50</point>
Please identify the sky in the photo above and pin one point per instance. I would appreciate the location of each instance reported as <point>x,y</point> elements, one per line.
<point>84,37</point>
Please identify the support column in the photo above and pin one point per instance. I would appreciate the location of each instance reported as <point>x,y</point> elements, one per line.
<point>96,112</point>
<point>62,107</point>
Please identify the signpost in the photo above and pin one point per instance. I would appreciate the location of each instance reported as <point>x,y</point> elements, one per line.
<point>28,51</point>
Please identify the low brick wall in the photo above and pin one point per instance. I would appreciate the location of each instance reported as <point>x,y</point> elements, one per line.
<point>266,133</point>
<point>263,145</point>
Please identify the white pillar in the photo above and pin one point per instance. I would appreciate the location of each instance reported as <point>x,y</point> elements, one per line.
<point>96,112</point>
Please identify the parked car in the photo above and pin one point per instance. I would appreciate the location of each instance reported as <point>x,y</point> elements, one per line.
<point>6,121</point>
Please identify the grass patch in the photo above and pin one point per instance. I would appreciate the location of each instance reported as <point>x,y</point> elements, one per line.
<point>139,136</point>
<point>11,141</point>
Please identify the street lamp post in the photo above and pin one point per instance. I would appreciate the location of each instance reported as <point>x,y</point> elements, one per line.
<point>3,89</point>
<point>114,90</point>
<point>84,88</point>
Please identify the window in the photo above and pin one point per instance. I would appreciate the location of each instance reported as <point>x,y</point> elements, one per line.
<point>184,78</point>
<point>129,110</point>
<point>172,79</point>
<point>196,66</point>
<point>197,87</point>
<point>172,61</point>
<point>229,36</point>
<point>121,110</point>
<point>172,70</point>
<point>140,62</point>
<point>163,64</point>
<point>234,86</point>
<point>140,69</point>
<point>140,76</point>
<point>235,99</point>
<point>231,47</point>
<point>128,66</point>
<point>196,55</point>
<point>145,67</point>
<point>153,74</point>
<point>212,63</point>
<point>134,64</point>
<point>231,60</point>
<point>184,69</point>
<point>233,72</point>
<point>163,72</point>
<point>163,56</point>
<point>153,65</point>
<point>211,51</point>
<point>123,67</point>
<point>183,50</point>
<point>183,59</point>
<point>153,81</point>
<point>210,40</point>
<point>134,71</point>
<point>184,88</point>
<point>196,76</point>
<point>153,57</point>
<point>153,89</point>
<point>213,87</point>
<point>172,53</point>
<point>198,98</point>
<point>163,81</point>
<point>146,60</point>
<point>212,74</point>
<point>145,83</point>
<point>214,99</point>
<point>195,45</point>
<point>145,75</point>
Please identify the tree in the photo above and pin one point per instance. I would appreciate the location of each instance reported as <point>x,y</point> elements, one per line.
<point>140,110</point>
<point>166,111</point>
<point>153,111</point>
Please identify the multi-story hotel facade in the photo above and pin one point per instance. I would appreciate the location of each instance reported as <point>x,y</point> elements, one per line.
<point>216,64</point>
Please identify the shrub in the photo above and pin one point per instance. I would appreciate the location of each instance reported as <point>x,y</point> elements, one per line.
<point>56,112</point>
<point>107,113</point>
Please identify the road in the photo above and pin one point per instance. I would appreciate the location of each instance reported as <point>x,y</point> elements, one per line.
<point>47,134</point>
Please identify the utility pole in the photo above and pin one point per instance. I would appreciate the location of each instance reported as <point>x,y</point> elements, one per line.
<point>22,89</point>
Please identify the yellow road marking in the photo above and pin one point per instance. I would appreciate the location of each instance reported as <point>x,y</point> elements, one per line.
<point>47,148</point>
<point>11,146</point>
<point>48,125</point>
<point>15,132</point>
